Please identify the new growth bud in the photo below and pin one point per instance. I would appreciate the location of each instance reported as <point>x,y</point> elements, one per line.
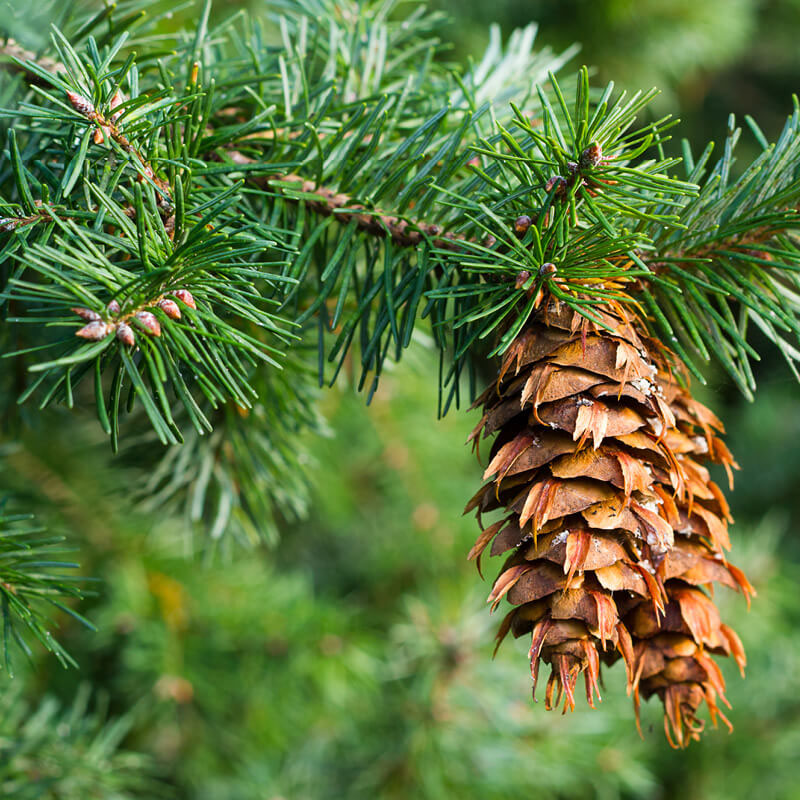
<point>125,334</point>
<point>95,331</point>
<point>521,224</point>
<point>116,101</point>
<point>81,104</point>
<point>87,314</point>
<point>170,308</point>
<point>547,270</point>
<point>185,296</point>
<point>591,156</point>
<point>558,183</point>
<point>148,321</point>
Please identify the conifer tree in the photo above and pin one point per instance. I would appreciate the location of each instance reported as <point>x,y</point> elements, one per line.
<point>199,233</point>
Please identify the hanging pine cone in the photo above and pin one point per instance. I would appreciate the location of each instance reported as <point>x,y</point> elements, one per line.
<point>613,522</point>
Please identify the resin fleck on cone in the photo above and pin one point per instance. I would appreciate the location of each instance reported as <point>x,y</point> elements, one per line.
<point>613,522</point>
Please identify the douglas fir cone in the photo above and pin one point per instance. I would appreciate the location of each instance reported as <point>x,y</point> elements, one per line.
<point>616,531</point>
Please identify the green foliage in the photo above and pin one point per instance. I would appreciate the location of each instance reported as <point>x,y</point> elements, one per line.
<point>251,473</point>
<point>324,173</point>
<point>68,753</point>
<point>33,585</point>
<point>320,177</point>
<point>356,659</point>
<point>737,256</point>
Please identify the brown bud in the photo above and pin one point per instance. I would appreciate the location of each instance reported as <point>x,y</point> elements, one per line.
<point>489,241</point>
<point>521,224</point>
<point>81,104</point>
<point>547,270</point>
<point>95,331</point>
<point>170,308</point>
<point>522,278</point>
<point>87,314</point>
<point>558,183</point>
<point>125,334</point>
<point>114,307</point>
<point>148,321</point>
<point>591,156</point>
<point>185,296</point>
<point>98,137</point>
<point>116,100</point>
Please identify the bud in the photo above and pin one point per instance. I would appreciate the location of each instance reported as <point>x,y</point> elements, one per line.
<point>185,296</point>
<point>98,137</point>
<point>125,334</point>
<point>170,308</point>
<point>81,104</point>
<point>522,279</point>
<point>148,321</point>
<point>94,331</point>
<point>87,314</point>
<point>547,270</point>
<point>591,156</point>
<point>521,225</point>
<point>116,101</point>
<point>558,183</point>
<point>114,307</point>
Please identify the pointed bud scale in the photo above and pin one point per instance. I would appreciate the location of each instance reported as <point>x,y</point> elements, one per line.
<point>87,314</point>
<point>94,331</point>
<point>148,321</point>
<point>97,136</point>
<point>185,296</point>
<point>81,104</point>
<point>170,308</point>
<point>114,307</point>
<point>125,334</point>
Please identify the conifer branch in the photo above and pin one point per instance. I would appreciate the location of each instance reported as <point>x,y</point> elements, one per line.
<point>341,206</point>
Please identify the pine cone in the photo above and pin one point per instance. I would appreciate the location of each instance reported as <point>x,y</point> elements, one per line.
<point>612,520</point>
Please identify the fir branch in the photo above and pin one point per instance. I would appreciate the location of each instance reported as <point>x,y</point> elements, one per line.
<point>70,753</point>
<point>32,586</point>
<point>327,202</point>
<point>735,258</point>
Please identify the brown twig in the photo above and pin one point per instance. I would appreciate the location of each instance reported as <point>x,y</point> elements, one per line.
<point>403,232</point>
<point>327,202</point>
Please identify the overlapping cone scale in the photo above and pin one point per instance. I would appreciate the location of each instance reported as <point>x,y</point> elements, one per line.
<point>615,531</point>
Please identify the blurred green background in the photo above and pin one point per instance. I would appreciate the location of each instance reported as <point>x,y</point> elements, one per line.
<point>354,659</point>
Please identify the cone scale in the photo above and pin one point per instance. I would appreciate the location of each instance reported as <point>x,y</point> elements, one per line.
<point>612,529</point>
